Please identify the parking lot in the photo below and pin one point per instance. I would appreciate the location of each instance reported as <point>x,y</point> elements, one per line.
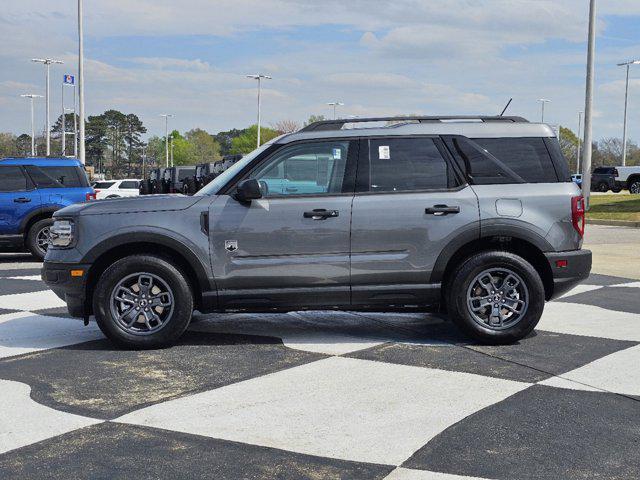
<point>322,394</point>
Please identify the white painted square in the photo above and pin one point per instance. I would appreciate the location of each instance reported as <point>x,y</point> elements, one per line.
<point>337,407</point>
<point>409,474</point>
<point>590,321</point>
<point>617,373</point>
<point>27,277</point>
<point>26,332</point>
<point>23,421</point>
<point>31,301</point>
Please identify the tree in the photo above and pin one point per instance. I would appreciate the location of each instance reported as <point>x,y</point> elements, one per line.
<point>313,119</point>
<point>246,142</point>
<point>96,140</point>
<point>569,146</point>
<point>133,130</point>
<point>23,145</point>
<point>205,147</point>
<point>224,139</point>
<point>8,145</point>
<point>287,126</point>
<point>184,152</point>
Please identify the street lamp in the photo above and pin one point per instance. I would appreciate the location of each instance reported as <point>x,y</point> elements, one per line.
<point>588,107</point>
<point>259,77</point>
<point>543,101</point>
<point>47,62</point>
<point>166,136</point>
<point>31,96</point>
<point>626,104</point>
<point>81,83</point>
<point>334,105</point>
<point>579,141</point>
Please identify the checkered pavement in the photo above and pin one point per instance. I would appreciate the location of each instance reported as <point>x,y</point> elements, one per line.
<point>321,394</point>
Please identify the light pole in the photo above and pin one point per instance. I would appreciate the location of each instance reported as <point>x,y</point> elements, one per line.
<point>81,83</point>
<point>543,101</point>
<point>47,63</point>
<point>64,126</point>
<point>334,105</point>
<point>626,104</point>
<point>31,96</point>
<point>579,142</point>
<point>259,77</point>
<point>166,136</point>
<point>588,110</point>
<point>75,130</point>
<point>171,139</point>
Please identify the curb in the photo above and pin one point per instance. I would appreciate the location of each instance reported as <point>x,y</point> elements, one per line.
<point>613,223</point>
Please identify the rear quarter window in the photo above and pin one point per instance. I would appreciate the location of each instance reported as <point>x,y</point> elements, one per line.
<point>528,157</point>
<point>103,185</point>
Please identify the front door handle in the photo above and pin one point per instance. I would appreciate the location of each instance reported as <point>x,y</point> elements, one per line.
<point>22,200</point>
<point>441,210</point>
<point>321,214</point>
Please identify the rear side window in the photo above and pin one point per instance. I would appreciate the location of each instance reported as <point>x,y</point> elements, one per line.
<point>527,157</point>
<point>12,179</point>
<point>129,184</point>
<point>67,176</point>
<point>406,164</point>
<point>103,185</point>
<point>40,178</point>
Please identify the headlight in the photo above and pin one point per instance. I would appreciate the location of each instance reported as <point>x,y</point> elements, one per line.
<point>62,233</point>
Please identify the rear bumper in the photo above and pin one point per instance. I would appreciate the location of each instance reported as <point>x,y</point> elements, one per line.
<point>71,289</point>
<point>577,269</point>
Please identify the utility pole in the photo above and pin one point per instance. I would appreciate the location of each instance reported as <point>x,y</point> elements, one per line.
<point>31,96</point>
<point>588,110</point>
<point>81,83</point>
<point>259,77</point>
<point>626,105</point>
<point>579,142</point>
<point>334,105</point>
<point>166,136</point>
<point>171,138</point>
<point>47,62</point>
<point>543,101</point>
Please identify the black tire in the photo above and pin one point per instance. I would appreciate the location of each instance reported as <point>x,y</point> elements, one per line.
<point>634,187</point>
<point>113,196</point>
<point>36,230</point>
<point>603,187</point>
<point>459,285</point>
<point>176,322</point>
<point>616,190</point>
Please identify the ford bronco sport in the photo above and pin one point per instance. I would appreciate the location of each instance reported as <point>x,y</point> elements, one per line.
<point>476,217</point>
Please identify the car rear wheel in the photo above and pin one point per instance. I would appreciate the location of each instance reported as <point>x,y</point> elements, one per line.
<point>495,297</point>
<point>143,301</point>
<point>603,187</point>
<point>634,188</point>
<point>38,238</point>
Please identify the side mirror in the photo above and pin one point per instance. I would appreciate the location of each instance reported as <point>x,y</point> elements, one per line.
<point>248,190</point>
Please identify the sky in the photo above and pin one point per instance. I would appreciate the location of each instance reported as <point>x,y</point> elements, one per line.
<point>431,57</point>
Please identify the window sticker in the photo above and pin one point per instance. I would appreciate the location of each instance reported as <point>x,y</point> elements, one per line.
<point>384,152</point>
<point>337,153</point>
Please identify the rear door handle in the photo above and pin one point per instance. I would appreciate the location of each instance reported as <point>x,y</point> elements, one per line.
<point>441,210</point>
<point>21,200</point>
<point>321,214</point>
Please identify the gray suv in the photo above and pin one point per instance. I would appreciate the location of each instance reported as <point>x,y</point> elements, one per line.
<point>476,217</point>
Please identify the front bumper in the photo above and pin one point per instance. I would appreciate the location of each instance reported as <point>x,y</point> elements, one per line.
<point>70,288</point>
<point>568,270</point>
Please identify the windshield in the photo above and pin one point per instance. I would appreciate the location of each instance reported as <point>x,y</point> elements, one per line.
<point>213,187</point>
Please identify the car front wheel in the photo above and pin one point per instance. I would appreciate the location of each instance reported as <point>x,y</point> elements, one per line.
<point>38,238</point>
<point>495,297</point>
<point>143,301</point>
<point>634,188</point>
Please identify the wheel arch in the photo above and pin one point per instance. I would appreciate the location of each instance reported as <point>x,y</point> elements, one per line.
<point>116,248</point>
<point>529,248</point>
<point>36,216</point>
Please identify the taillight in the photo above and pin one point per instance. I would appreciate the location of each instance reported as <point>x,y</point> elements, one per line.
<point>90,196</point>
<point>578,214</point>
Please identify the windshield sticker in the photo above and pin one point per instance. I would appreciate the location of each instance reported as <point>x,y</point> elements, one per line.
<point>337,154</point>
<point>384,153</point>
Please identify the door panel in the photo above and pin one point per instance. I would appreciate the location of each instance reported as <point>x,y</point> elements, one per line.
<point>16,201</point>
<point>267,254</point>
<point>395,243</point>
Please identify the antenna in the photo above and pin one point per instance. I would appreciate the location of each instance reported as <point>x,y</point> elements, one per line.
<point>507,106</point>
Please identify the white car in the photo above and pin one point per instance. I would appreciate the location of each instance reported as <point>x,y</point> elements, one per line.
<point>629,178</point>
<point>129,187</point>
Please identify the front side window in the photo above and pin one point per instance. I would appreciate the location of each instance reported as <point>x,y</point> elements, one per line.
<point>406,164</point>
<point>304,169</point>
<point>12,179</point>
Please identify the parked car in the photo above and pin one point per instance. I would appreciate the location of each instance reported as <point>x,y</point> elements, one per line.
<point>173,178</point>
<point>117,188</point>
<point>577,179</point>
<point>31,190</point>
<point>603,179</point>
<point>153,184</point>
<point>477,218</point>
<point>204,173</point>
<point>628,178</point>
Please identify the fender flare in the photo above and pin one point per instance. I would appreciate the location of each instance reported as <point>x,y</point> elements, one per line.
<point>36,213</point>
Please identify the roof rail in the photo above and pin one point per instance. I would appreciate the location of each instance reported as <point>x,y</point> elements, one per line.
<point>339,123</point>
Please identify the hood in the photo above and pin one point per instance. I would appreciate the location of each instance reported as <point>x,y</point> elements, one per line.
<point>143,203</point>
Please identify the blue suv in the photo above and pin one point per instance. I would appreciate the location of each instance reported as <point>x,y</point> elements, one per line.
<point>31,189</point>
